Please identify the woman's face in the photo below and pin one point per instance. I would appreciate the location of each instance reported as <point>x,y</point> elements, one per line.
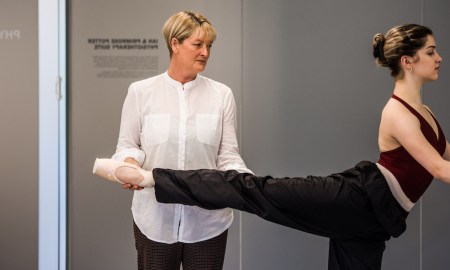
<point>428,65</point>
<point>193,52</point>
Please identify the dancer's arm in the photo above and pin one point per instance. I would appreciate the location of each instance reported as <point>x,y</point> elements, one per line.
<point>420,149</point>
<point>447,152</point>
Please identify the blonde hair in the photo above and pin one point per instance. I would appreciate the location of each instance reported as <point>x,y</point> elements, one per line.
<point>401,40</point>
<point>183,24</point>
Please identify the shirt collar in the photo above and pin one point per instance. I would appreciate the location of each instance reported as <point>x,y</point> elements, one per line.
<point>186,86</point>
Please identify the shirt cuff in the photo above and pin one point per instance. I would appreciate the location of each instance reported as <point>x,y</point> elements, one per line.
<point>238,168</point>
<point>137,154</point>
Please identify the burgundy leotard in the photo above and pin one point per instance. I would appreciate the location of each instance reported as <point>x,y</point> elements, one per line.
<point>412,177</point>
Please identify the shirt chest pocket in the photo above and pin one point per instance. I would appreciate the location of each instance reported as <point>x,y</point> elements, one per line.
<point>209,129</point>
<point>156,130</point>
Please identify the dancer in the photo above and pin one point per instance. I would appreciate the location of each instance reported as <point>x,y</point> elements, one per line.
<point>179,120</point>
<point>360,208</point>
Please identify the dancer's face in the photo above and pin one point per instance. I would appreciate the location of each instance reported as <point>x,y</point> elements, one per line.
<point>427,66</point>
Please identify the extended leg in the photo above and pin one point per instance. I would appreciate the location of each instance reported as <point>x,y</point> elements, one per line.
<point>212,189</point>
<point>336,206</point>
<point>327,206</point>
<point>122,172</point>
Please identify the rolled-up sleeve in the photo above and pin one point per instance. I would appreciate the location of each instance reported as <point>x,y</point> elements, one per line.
<point>129,142</point>
<point>229,157</point>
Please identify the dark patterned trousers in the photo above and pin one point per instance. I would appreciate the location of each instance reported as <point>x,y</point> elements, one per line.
<point>203,255</point>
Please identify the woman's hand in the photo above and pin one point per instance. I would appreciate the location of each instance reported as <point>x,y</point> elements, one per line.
<point>130,186</point>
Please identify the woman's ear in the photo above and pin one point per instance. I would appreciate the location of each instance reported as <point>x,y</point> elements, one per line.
<point>407,62</point>
<point>174,45</point>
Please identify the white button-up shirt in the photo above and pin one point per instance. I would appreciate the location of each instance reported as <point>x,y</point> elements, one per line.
<point>166,124</point>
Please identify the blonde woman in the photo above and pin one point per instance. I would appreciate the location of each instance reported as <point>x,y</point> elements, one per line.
<point>180,120</point>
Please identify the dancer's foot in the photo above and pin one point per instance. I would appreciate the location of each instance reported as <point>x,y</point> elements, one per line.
<point>123,172</point>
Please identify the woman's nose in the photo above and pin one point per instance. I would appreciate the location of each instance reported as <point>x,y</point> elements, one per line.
<point>439,58</point>
<point>205,50</point>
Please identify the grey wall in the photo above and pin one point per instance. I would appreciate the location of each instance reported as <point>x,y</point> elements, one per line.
<point>309,99</point>
<point>19,134</point>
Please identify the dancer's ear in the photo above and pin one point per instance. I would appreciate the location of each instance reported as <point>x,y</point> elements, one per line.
<point>407,63</point>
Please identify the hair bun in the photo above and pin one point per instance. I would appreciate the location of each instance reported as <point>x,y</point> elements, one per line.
<point>378,44</point>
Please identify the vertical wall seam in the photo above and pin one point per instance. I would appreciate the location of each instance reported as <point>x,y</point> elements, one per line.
<point>241,118</point>
<point>420,235</point>
<point>241,115</point>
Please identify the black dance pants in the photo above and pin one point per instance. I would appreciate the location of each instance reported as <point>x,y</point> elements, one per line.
<point>355,208</point>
